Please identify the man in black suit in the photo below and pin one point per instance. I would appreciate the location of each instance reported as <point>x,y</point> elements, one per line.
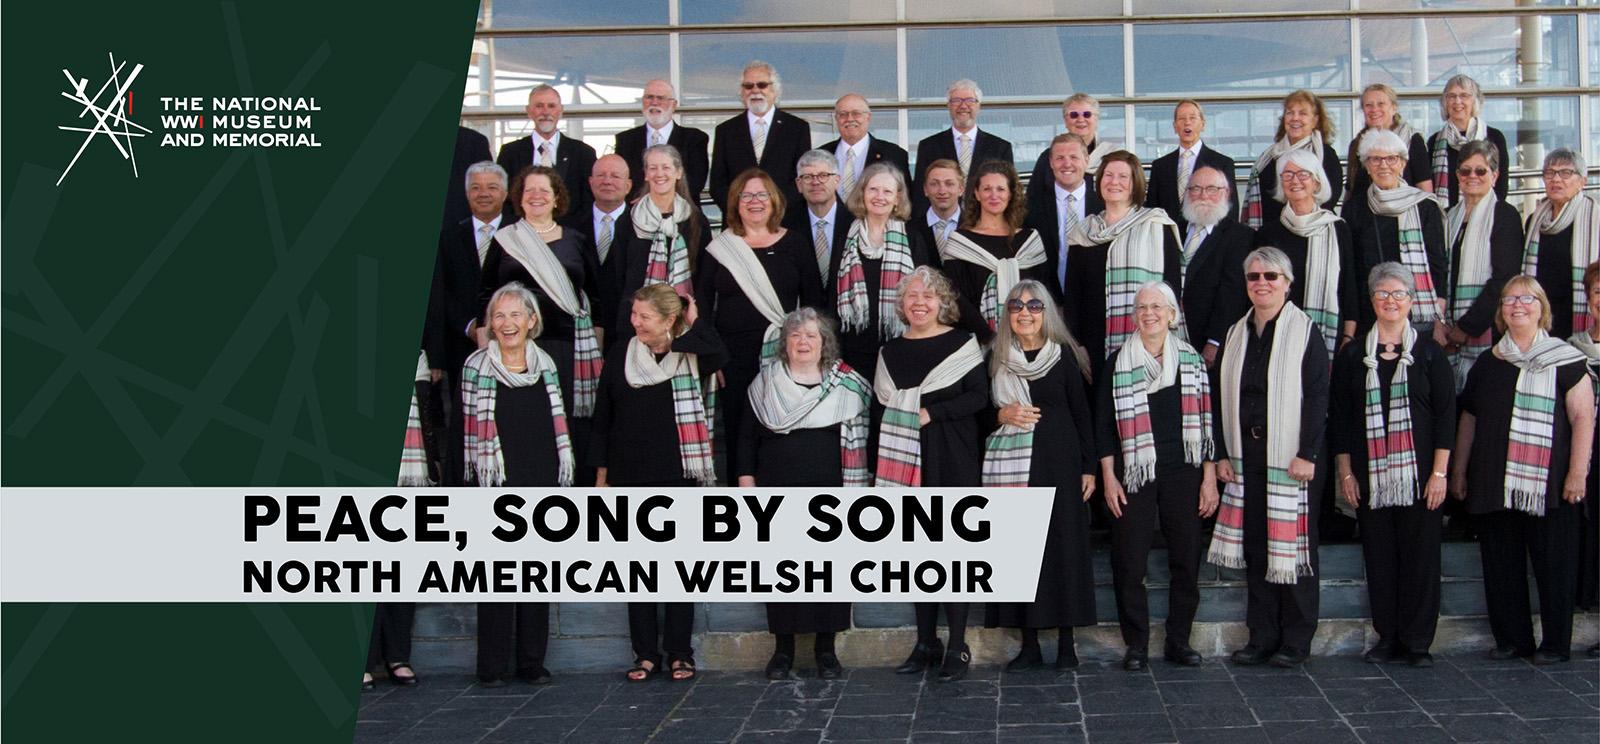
<point>659,103</point>
<point>856,148</point>
<point>761,136</point>
<point>471,147</point>
<point>453,304</point>
<point>1170,173</point>
<point>1060,203</point>
<point>962,142</point>
<point>571,158</point>
<point>606,223</point>
<point>1214,247</point>
<point>943,185</point>
<point>821,215</point>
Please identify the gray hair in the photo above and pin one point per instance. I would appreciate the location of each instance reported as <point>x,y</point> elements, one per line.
<point>817,157</point>
<point>935,280</point>
<point>1054,328</point>
<point>672,90</point>
<point>1094,105</point>
<point>856,200</point>
<point>1171,298</point>
<point>1306,161</point>
<point>1381,141</point>
<point>966,84</point>
<point>488,166</point>
<point>777,82</point>
<point>797,319</point>
<point>529,302</point>
<point>1466,83</point>
<point>542,87</point>
<point>1486,150</point>
<point>1276,260</point>
<point>1566,156</point>
<point>1391,270</point>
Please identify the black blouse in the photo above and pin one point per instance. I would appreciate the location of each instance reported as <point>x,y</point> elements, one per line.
<point>637,425</point>
<point>803,457</point>
<point>1267,179</point>
<point>1505,261</point>
<point>1086,305</point>
<point>1377,239</point>
<point>969,279</point>
<point>631,256</point>
<point>952,449</point>
<point>1489,394</point>
<point>1554,272</point>
<point>527,436</point>
<point>1432,387</point>
<point>791,266</point>
<point>1166,423</point>
<point>1295,247</point>
<point>1253,390</point>
<point>1419,168</point>
<point>1502,185</point>
<point>582,267</point>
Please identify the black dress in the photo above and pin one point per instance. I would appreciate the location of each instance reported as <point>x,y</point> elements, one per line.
<point>1377,239</point>
<point>1086,306</point>
<point>630,255</point>
<point>1554,272</point>
<point>1502,185</point>
<point>1419,168</point>
<point>1063,452</point>
<point>859,349</point>
<point>1267,179</point>
<point>969,279</point>
<point>1295,247</point>
<point>1505,261</point>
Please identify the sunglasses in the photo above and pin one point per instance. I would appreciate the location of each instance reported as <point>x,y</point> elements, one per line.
<point>1262,276</point>
<point>1398,295</point>
<point>1510,300</point>
<point>1477,172</point>
<point>1080,114</point>
<point>1032,306</point>
<point>763,85</point>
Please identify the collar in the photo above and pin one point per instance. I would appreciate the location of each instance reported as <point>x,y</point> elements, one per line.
<point>665,130</point>
<point>478,224</point>
<point>538,139</point>
<point>1080,192</point>
<point>1194,152</point>
<point>615,213</point>
<point>860,147</point>
<point>955,134</point>
<point>751,118</point>
<point>811,217</point>
<point>955,217</point>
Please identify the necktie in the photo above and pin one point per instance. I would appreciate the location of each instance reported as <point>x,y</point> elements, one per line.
<point>544,154</point>
<point>964,154</point>
<point>485,234</point>
<point>939,234</point>
<point>603,245</point>
<point>1069,222</point>
<point>822,245</point>
<point>760,141</point>
<point>655,137</point>
<point>847,171</point>
<point>1192,245</point>
<point>1185,169</point>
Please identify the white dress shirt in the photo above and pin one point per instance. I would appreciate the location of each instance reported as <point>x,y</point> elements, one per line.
<point>972,138</point>
<point>858,156</point>
<point>616,214</point>
<point>955,221</point>
<point>555,147</point>
<point>664,133</point>
<point>751,119</point>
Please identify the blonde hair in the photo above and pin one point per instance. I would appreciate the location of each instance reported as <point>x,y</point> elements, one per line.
<point>1531,286</point>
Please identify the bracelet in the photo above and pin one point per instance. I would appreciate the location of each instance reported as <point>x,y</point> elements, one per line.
<point>1438,474</point>
<point>1347,476</point>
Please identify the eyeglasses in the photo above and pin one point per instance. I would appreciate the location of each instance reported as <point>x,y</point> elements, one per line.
<point>1463,96</point>
<point>1034,307</point>
<point>1398,295</point>
<point>814,177</point>
<point>761,84</point>
<point>1510,300</point>
<point>1206,190</point>
<point>1476,172</point>
<point>1562,173</point>
<point>851,114</point>
<point>1261,276</point>
<point>1298,175</point>
<point>754,196</point>
<point>967,101</point>
<point>649,98</point>
<point>1389,160</point>
<point>1080,114</point>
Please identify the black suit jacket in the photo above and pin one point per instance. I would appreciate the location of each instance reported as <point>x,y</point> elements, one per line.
<point>610,275</point>
<point>692,144</point>
<point>453,302</point>
<point>1044,216</point>
<point>732,153</point>
<point>1213,285</point>
<point>800,220</point>
<point>943,145</point>
<point>471,147</point>
<point>574,161</point>
<point>1162,189</point>
<point>879,150</point>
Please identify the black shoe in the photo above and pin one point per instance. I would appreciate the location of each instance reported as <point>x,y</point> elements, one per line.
<point>1251,655</point>
<point>405,681</point>
<point>535,676</point>
<point>367,683</point>
<point>490,682</point>
<point>1135,661</point>
<point>1183,655</point>
<point>1543,657</point>
<point>956,662</point>
<point>1506,653</point>
<point>780,666</point>
<point>1066,658</point>
<point>1288,658</point>
<point>1419,659</point>
<point>1027,660</point>
<point>1594,651</point>
<point>828,666</point>
<point>1382,653</point>
<point>922,657</point>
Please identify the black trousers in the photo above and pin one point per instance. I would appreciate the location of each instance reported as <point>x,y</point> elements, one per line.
<point>955,616</point>
<point>455,429</point>
<point>1175,498</point>
<point>1508,539</point>
<point>1401,548</point>
<point>650,635</point>
<point>1277,615</point>
<point>1589,553</point>
<point>391,634</point>
<point>498,623</point>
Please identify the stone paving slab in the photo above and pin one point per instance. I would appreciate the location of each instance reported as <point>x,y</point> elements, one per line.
<point>1332,699</point>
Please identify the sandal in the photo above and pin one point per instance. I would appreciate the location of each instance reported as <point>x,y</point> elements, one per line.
<point>642,673</point>
<point>367,685</point>
<point>682,670</point>
<point>405,681</point>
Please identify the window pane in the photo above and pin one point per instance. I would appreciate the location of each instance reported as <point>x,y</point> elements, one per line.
<point>1423,53</point>
<point>547,13</point>
<point>814,66</point>
<point>1150,7</point>
<point>777,11</point>
<point>1270,56</point>
<point>1029,129</point>
<point>587,73</point>
<point>1594,49</point>
<point>1016,61</point>
<point>924,10</point>
<point>1453,4</point>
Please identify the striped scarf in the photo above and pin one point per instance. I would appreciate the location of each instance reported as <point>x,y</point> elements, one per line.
<point>1136,257</point>
<point>1591,350</point>
<point>783,405</point>
<point>1251,213</point>
<point>895,264</point>
<point>1391,447</point>
<point>1004,273</point>
<point>1582,215</point>
<point>1533,417</point>
<point>481,378</point>
<point>1101,149</point>
<point>739,259</point>
<point>900,432</point>
<point>1008,453</point>
<point>1138,374</point>
<point>1471,275</point>
<point>1402,203</point>
<point>414,450</point>
<point>522,242</point>
<point>668,261</point>
<point>1322,269</point>
<point>694,403</point>
<point>1449,138</point>
<point>1288,546</point>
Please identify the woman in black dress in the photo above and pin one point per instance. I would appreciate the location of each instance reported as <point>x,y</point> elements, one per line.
<point>1394,221</point>
<point>879,252</point>
<point>1391,416</point>
<point>667,235</point>
<point>1045,439</point>
<point>554,264</point>
<point>931,387</point>
<point>1380,109</point>
<point>1589,553</point>
<point>808,426</point>
<point>1525,437</point>
<point>516,435</point>
<point>1461,107</point>
<point>1485,239</point>
<point>992,250</point>
<point>1157,458</point>
<point>752,274</point>
<point>1563,237</point>
<point>644,435</point>
<point>1320,250</point>
<point>1304,125</point>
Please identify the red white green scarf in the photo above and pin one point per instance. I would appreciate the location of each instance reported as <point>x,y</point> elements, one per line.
<point>1402,203</point>
<point>1391,447</point>
<point>1136,257</point>
<point>1471,275</point>
<point>1582,215</point>
<point>1449,138</point>
<point>414,451</point>
<point>895,264</point>
<point>1252,212</point>
<point>739,259</point>
<point>694,403</point>
<point>668,260</point>
<point>900,433</point>
<point>1288,546</point>
<point>783,405</point>
<point>522,242</point>
<point>1004,273</point>
<point>1533,417</point>
<point>481,378</point>
<point>1322,268</point>
<point>1136,375</point>
<point>1008,452</point>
